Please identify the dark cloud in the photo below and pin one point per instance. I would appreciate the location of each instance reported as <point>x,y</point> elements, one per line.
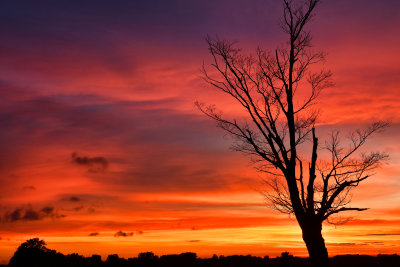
<point>194,241</point>
<point>123,234</point>
<point>95,164</point>
<point>32,215</point>
<point>74,199</point>
<point>140,232</point>
<point>85,197</point>
<point>94,234</point>
<point>28,213</point>
<point>14,215</point>
<point>48,210</point>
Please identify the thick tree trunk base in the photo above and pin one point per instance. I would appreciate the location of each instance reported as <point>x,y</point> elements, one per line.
<point>315,243</point>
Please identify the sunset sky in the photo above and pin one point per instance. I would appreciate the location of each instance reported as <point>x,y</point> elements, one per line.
<point>103,151</point>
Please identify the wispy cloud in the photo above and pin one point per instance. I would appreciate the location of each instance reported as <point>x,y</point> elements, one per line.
<point>94,164</point>
<point>123,234</point>
<point>94,234</point>
<point>28,213</point>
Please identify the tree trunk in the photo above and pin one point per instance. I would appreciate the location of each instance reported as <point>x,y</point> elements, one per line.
<point>315,243</point>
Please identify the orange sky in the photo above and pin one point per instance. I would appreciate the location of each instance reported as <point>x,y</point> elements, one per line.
<point>100,133</point>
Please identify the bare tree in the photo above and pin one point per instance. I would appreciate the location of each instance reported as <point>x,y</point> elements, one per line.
<point>279,122</point>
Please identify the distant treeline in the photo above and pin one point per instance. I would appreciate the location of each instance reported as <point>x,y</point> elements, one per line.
<point>33,252</point>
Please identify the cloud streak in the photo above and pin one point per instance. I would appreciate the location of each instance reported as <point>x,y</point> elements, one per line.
<point>94,234</point>
<point>123,234</point>
<point>28,213</point>
<point>94,164</point>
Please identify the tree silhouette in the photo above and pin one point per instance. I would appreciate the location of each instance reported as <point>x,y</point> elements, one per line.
<point>34,252</point>
<point>266,86</point>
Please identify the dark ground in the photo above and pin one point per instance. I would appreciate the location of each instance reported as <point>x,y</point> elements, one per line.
<point>34,253</point>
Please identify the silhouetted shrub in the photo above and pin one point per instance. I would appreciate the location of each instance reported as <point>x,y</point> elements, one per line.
<point>34,253</point>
